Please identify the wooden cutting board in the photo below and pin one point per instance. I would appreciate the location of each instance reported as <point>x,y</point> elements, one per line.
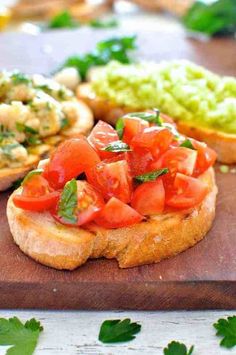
<point>200,278</point>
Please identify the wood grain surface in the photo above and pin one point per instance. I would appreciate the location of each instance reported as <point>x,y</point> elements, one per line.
<point>202,277</point>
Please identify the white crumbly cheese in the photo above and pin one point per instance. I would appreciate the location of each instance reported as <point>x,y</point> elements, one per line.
<point>68,77</point>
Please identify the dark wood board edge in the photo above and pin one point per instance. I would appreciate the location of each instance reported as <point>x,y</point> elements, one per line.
<point>104,296</point>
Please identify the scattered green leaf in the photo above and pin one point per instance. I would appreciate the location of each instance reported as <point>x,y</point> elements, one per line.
<point>153,175</point>
<point>63,20</point>
<point>120,125</point>
<point>20,78</point>
<point>21,127</point>
<point>111,23</point>
<point>117,147</point>
<point>68,202</point>
<point>33,140</point>
<point>218,17</point>
<point>21,337</point>
<point>187,144</point>
<point>176,348</point>
<point>226,328</point>
<point>114,331</point>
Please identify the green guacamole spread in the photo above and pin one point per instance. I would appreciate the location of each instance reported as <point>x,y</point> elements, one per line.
<point>181,89</point>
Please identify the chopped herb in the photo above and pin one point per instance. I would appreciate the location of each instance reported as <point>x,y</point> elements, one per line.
<point>151,117</point>
<point>224,169</point>
<point>187,144</point>
<point>21,337</point>
<point>226,328</point>
<point>33,140</point>
<point>176,348</point>
<point>116,48</point>
<point>64,123</point>
<point>120,125</point>
<point>20,78</point>
<point>153,175</point>
<point>32,173</point>
<point>115,331</point>
<point>4,133</point>
<point>68,202</point>
<point>63,20</point>
<point>117,147</point>
<point>61,94</point>
<point>21,127</point>
<point>104,23</point>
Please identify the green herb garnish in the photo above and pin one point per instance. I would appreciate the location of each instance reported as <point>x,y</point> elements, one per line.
<point>63,20</point>
<point>17,183</point>
<point>151,117</point>
<point>115,331</point>
<point>32,136</point>
<point>68,202</point>
<point>32,173</point>
<point>4,133</point>
<point>117,147</point>
<point>111,23</point>
<point>33,140</point>
<point>64,123</point>
<point>215,18</point>
<point>112,49</point>
<point>120,125</point>
<point>20,78</point>
<point>176,348</point>
<point>153,175</point>
<point>21,127</point>
<point>7,149</point>
<point>21,337</point>
<point>226,328</point>
<point>187,144</point>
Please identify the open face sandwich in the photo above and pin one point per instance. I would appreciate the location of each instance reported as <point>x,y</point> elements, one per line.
<point>36,114</point>
<point>139,193</point>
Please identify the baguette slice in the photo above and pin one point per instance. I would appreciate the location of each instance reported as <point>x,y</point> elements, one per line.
<point>223,143</point>
<point>82,126</point>
<point>162,236</point>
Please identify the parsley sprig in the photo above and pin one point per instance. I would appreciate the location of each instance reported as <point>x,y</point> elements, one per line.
<point>176,348</point>
<point>226,328</point>
<point>115,331</point>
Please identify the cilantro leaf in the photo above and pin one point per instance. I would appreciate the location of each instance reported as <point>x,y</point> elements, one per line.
<point>117,147</point>
<point>22,337</point>
<point>176,348</point>
<point>68,202</point>
<point>227,329</point>
<point>120,125</point>
<point>187,144</point>
<point>151,117</point>
<point>153,175</point>
<point>63,20</point>
<point>114,331</point>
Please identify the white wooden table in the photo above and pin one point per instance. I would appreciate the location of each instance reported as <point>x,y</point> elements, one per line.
<point>76,333</point>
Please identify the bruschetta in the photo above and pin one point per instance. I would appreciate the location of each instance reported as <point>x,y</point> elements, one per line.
<point>138,193</point>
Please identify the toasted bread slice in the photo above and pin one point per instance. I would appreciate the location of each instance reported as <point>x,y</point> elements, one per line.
<point>223,143</point>
<point>162,236</point>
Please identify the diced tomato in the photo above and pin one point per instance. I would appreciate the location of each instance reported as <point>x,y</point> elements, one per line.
<point>101,135</point>
<point>149,198</point>
<point>112,179</point>
<point>70,159</point>
<point>156,139</point>
<point>39,203</point>
<point>187,192</point>
<point>116,214</point>
<point>133,126</point>
<point>139,161</point>
<point>90,203</point>
<point>179,160</point>
<point>206,157</point>
<point>35,186</point>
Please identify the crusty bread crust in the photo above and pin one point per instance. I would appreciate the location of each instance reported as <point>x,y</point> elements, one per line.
<point>160,237</point>
<point>223,143</point>
<point>82,126</point>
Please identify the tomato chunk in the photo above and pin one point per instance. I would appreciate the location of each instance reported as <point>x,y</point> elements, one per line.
<point>156,139</point>
<point>37,204</point>
<point>70,159</point>
<point>149,198</point>
<point>139,161</point>
<point>133,126</point>
<point>206,157</point>
<point>179,160</point>
<point>101,135</point>
<point>187,192</point>
<point>117,214</point>
<point>112,180</point>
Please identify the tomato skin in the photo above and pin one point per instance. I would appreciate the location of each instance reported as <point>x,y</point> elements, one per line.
<point>112,180</point>
<point>70,159</point>
<point>35,186</point>
<point>117,214</point>
<point>101,135</point>
<point>206,157</point>
<point>90,203</point>
<point>179,160</point>
<point>133,126</point>
<point>187,192</point>
<point>156,139</point>
<point>36,204</point>
<point>139,161</point>
<point>149,198</point>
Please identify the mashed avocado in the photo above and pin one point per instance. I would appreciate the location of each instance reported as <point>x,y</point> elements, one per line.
<point>180,89</point>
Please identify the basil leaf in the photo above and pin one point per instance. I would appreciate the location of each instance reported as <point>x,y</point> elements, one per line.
<point>187,144</point>
<point>32,173</point>
<point>120,125</point>
<point>151,117</point>
<point>153,175</point>
<point>117,146</point>
<point>68,202</point>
